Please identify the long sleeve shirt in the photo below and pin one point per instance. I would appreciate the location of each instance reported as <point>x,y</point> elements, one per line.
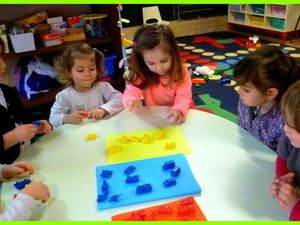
<point>69,100</point>
<point>288,160</point>
<point>178,96</point>
<point>20,208</point>
<point>266,128</point>
<point>11,113</point>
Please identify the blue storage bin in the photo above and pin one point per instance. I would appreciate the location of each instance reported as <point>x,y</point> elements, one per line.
<point>109,62</point>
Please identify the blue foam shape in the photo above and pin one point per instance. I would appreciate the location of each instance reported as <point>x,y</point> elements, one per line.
<point>150,171</point>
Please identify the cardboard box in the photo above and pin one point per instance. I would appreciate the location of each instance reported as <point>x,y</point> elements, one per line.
<point>73,34</point>
<point>33,19</point>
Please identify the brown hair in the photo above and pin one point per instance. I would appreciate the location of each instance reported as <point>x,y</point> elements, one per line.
<point>64,63</point>
<point>268,68</point>
<point>290,104</point>
<point>148,37</point>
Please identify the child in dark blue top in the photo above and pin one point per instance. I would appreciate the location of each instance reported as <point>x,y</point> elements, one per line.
<point>16,129</point>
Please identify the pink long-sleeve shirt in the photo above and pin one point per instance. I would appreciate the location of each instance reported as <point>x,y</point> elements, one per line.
<point>179,96</point>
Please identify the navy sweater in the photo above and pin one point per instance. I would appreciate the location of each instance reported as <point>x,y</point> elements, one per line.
<point>8,117</point>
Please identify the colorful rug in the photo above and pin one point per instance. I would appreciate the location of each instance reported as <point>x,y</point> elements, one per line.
<point>219,51</point>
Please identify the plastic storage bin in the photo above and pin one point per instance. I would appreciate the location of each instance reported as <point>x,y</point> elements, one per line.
<point>239,17</point>
<point>278,10</point>
<point>237,8</point>
<point>95,25</point>
<point>22,42</point>
<point>278,23</point>
<point>258,8</point>
<point>109,64</point>
<point>257,20</point>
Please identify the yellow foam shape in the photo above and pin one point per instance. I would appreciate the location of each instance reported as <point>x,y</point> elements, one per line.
<point>113,149</point>
<point>91,136</point>
<point>170,145</point>
<point>151,144</point>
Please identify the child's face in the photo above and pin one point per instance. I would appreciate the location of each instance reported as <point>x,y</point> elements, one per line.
<point>250,95</point>
<point>84,73</point>
<point>292,134</point>
<point>157,61</point>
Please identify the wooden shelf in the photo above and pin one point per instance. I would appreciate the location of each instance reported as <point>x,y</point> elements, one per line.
<point>57,48</point>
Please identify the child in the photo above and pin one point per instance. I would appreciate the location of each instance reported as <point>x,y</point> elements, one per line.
<point>264,76</point>
<point>23,204</point>
<point>287,178</point>
<point>157,75</point>
<point>85,97</point>
<point>16,128</point>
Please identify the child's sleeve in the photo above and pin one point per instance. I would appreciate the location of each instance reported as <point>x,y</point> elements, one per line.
<point>113,99</point>
<point>59,109</point>
<point>283,153</point>
<point>183,96</point>
<point>131,93</point>
<point>20,208</point>
<point>295,212</point>
<point>281,167</point>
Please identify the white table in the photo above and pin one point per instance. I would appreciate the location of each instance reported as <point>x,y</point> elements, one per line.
<point>233,169</point>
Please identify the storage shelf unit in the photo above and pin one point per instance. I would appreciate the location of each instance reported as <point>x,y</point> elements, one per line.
<point>111,43</point>
<point>276,18</point>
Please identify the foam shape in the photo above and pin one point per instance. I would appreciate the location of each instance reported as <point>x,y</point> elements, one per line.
<point>132,145</point>
<point>180,210</point>
<point>149,171</point>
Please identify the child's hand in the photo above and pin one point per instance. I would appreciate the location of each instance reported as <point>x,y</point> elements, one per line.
<point>287,196</point>
<point>16,169</point>
<point>37,190</point>
<point>45,127</point>
<point>278,181</point>
<point>97,113</point>
<point>175,117</point>
<point>133,105</point>
<point>25,132</point>
<point>75,117</point>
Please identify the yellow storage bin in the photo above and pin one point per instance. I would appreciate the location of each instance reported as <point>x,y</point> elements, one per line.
<point>257,20</point>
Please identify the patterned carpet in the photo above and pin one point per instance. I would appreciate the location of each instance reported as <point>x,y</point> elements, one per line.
<point>219,51</point>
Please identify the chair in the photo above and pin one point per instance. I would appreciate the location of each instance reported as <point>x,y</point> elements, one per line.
<point>151,15</point>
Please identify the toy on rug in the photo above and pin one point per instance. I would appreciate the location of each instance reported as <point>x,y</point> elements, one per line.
<point>203,70</point>
<point>180,210</point>
<point>253,42</point>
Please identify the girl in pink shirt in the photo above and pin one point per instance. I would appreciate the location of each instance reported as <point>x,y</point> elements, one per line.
<point>157,75</point>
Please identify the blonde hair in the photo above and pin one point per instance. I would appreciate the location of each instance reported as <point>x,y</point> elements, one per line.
<point>64,63</point>
<point>290,105</point>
